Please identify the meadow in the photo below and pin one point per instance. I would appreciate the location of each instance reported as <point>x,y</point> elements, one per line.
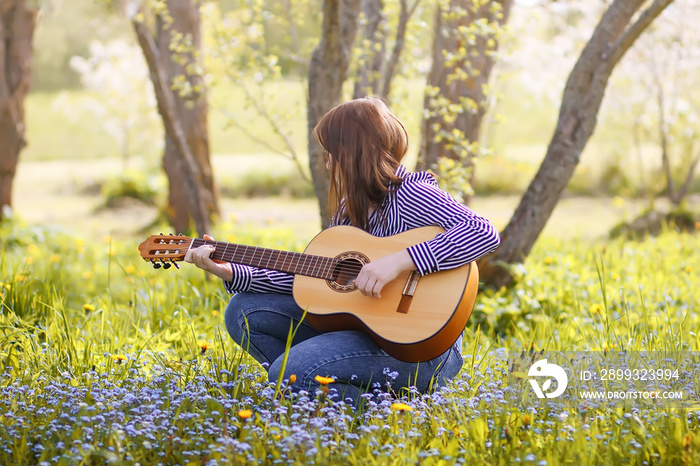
<point>104,360</point>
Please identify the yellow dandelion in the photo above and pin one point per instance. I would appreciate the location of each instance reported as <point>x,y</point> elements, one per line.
<point>292,378</point>
<point>20,277</point>
<point>245,413</point>
<point>32,248</point>
<point>457,432</point>
<point>129,269</point>
<point>204,345</point>
<point>688,269</point>
<point>55,258</point>
<point>80,242</point>
<point>548,260</point>
<point>88,307</point>
<point>324,380</point>
<point>401,407</point>
<point>28,260</point>
<point>526,420</point>
<point>596,309</point>
<point>615,277</point>
<point>214,313</point>
<point>87,275</point>
<point>119,358</point>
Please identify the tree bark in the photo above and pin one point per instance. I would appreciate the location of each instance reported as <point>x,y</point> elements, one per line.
<point>460,72</point>
<point>192,193</point>
<point>583,94</point>
<point>189,141</point>
<point>17,24</point>
<point>327,72</point>
<point>192,111</point>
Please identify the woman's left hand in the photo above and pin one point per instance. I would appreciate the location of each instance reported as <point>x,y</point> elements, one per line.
<point>375,275</point>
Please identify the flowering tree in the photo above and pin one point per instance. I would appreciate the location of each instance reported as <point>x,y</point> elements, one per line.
<point>122,101</point>
<point>657,83</point>
<point>17,23</point>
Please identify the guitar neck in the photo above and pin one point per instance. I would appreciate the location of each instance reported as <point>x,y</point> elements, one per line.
<point>272,259</point>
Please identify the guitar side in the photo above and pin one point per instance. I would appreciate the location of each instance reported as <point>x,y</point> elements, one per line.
<point>436,314</point>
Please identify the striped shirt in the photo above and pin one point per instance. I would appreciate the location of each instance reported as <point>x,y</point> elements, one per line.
<point>418,202</point>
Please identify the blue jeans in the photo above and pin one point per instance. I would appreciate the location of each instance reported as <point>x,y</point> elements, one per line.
<point>260,324</point>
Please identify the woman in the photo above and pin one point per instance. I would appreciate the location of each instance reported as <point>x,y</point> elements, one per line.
<point>369,188</point>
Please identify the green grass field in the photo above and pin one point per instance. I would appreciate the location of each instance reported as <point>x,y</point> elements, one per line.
<point>104,360</point>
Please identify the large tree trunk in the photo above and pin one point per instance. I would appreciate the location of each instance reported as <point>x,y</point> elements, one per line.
<point>617,30</point>
<point>327,72</point>
<point>191,109</point>
<point>192,193</point>
<point>456,99</point>
<point>17,23</point>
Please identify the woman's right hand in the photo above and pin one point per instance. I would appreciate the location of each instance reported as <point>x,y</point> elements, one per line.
<point>201,257</point>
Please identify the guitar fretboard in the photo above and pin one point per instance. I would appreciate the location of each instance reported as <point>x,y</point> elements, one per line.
<point>282,261</point>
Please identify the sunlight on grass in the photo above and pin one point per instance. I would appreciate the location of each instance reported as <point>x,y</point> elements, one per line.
<point>103,359</point>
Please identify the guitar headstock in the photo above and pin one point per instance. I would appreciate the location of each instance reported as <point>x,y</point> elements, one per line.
<point>164,250</point>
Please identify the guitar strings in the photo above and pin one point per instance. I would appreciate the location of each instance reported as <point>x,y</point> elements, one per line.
<point>350,266</point>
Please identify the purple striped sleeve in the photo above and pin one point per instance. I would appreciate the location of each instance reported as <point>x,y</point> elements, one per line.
<point>467,236</point>
<point>254,280</point>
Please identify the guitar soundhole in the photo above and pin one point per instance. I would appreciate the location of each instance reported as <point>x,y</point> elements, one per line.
<point>346,271</point>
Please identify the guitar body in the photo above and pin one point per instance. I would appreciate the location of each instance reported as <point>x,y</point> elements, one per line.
<point>436,314</point>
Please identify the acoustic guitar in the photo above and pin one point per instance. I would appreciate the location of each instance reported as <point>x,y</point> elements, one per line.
<point>416,319</point>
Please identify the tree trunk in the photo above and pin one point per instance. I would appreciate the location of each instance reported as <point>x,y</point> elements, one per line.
<point>17,23</point>
<point>192,194</point>
<point>327,72</point>
<point>617,30</point>
<point>189,141</point>
<point>456,98</point>
<point>192,111</point>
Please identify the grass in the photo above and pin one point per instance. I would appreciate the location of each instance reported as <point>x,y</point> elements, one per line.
<point>104,360</point>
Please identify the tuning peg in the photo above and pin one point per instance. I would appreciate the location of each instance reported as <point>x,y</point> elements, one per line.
<point>156,265</point>
<point>166,266</point>
<point>175,264</point>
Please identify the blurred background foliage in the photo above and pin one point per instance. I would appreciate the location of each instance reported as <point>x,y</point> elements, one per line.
<point>258,51</point>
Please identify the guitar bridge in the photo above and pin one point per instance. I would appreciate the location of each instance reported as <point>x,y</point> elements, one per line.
<point>408,291</point>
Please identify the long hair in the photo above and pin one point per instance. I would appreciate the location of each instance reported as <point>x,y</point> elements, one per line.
<point>365,144</point>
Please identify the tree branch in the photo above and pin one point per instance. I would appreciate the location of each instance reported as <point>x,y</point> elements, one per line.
<point>399,45</point>
<point>625,41</point>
